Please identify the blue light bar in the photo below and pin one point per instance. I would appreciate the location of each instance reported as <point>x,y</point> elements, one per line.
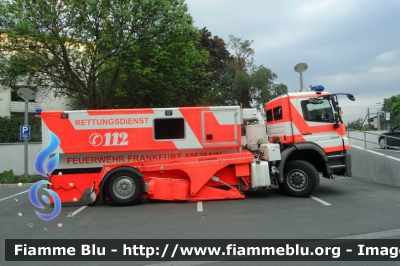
<point>317,88</point>
<point>38,112</point>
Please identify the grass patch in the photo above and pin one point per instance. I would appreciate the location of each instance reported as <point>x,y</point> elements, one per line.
<point>33,178</point>
<point>8,177</point>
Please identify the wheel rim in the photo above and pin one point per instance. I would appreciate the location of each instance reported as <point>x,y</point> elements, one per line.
<point>382,143</point>
<point>297,180</point>
<point>124,187</point>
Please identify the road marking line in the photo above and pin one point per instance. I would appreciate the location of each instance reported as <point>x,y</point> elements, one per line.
<point>199,206</point>
<point>72,214</point>
<point>320,201</point>
<point>15,195</point>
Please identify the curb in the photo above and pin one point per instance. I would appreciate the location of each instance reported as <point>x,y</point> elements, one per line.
<point>16,185</point>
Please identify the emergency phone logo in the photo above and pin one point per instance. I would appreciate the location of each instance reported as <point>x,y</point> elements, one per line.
<point>95,139</point>
<point>50,166</point>
<point>109,139</point>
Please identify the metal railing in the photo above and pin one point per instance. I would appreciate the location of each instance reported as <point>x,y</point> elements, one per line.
<point>371,138</point>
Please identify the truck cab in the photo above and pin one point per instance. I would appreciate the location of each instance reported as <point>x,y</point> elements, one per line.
<point>308,127</point>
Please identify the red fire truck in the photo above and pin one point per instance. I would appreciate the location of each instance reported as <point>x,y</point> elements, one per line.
<point>196,153</point>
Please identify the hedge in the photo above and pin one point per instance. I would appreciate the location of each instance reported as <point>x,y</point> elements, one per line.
<point>9,129</point>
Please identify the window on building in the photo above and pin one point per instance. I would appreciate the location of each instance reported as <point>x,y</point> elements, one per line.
<point>16,98</point>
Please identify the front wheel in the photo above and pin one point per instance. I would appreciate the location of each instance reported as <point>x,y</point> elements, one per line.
<point>125,188</point>
<point>301,179</point>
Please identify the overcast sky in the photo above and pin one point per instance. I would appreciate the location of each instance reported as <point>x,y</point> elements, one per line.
<point>350,46</point>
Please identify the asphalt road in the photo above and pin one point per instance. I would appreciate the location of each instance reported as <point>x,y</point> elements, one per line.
<point>344,207</point>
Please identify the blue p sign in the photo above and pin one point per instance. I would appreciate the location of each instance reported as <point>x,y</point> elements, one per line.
<point>24,132</point>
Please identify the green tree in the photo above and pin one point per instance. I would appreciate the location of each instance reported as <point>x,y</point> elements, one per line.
<point>242,63</point>
<point>356,124</point>
<point>103,53</point>
<point>392,105</point>
<point>263,88</point>
<point>253,85</point>
<point>219,83</point>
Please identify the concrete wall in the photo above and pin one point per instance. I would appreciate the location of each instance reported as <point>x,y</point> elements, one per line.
<point>12,157</point>
<point>375,166</point>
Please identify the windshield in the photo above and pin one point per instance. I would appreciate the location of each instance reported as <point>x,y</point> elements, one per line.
<point>317,110</point>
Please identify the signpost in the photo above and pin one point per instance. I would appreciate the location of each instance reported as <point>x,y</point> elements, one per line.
<point>25,130</point>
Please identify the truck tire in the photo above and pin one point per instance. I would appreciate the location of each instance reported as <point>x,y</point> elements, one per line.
<point>301,179</point>
<point>124,188</point>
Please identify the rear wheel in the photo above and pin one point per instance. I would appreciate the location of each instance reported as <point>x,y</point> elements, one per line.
<point>382,143</point>
<point>125,188</point>
<point>301,179</point>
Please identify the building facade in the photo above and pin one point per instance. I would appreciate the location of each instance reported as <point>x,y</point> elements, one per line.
<point>9,107</point>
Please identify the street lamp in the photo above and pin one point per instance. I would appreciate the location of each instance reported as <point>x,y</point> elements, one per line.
<point>300,68</point>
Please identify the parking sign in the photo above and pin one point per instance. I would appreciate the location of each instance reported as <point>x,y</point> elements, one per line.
<point>25,132</point>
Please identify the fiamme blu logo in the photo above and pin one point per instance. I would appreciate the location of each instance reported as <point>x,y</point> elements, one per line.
<point>43,160</point>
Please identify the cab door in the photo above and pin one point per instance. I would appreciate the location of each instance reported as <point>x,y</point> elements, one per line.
<point>316,123</point>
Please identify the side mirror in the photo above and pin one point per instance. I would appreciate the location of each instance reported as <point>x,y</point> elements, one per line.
<point>351,97</point>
